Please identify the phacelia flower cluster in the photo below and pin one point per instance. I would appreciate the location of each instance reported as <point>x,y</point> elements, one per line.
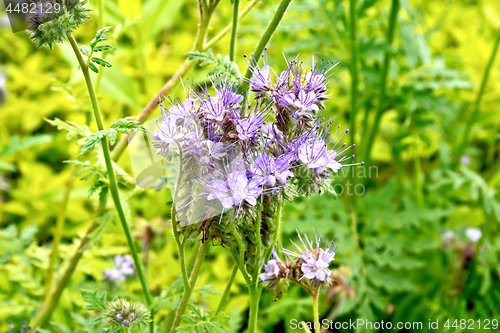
<point>124,265</point>
<point>307,265</point>
<point>240,151</point>
<point>122,314</point>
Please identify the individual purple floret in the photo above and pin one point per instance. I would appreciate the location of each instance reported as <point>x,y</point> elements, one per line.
<point>302,102</point>
<point>269,170</point>
<point>234,190</point>
<point>124,265</point>
<point>315,259</point>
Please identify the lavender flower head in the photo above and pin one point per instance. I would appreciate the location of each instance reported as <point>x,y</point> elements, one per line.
<point>315,260</point>
<point>122,314</point>
<point>124,265</point>
<point>235,154</point>
<point>308,265</point>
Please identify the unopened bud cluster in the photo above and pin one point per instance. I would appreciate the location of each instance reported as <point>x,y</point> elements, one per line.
<point>49,27</point>
<point>124,314</point>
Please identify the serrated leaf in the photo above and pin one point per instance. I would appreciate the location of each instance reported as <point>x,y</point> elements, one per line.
<point>103,222</point>
<point>102,48</point>
<point>85,50</point>
<point>101,62</point>
<point>93,67</point>
<point>96,302</point>
<point>74,130</point>
<point>101,35</point>
<point>91,141</point>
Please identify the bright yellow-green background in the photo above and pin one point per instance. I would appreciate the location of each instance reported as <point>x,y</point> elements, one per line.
<point>151,38</point>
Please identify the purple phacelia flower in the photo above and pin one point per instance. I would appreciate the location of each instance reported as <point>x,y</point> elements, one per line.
<point>213,109</point>
<point>235,190</point>
<point>268,170</point>
<point>302,102</point>
<point>313,258</point>
<point>249,127</point>
<point>124,266</point>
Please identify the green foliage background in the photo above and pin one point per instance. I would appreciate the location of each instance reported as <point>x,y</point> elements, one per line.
<point>391,258</point>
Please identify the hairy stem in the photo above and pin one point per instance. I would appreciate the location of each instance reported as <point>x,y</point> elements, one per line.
<point>109,167</point>
<point>255,293</point>
<point>186,296</point>
<point>277,222</point>
<point>383,82</point>
<point>225,295</point>
<point>266,36</point>
<point>175,225</point>
<point>234,30</point>
<point>316,312</point>
<point>477,103</point>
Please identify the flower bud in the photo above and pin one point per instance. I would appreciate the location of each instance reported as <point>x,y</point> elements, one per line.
<point>55,19</point>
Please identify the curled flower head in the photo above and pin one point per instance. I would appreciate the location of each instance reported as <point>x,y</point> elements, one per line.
<point>49,27</point>
<point>122,314</point>
<point>308,266</point>
<point>124,265</point>
<point>314,260</point>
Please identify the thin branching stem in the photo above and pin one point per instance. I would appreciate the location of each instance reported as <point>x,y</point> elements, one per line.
<point>175,224</point>
<point>266,36</point>
<point>477,103</point>
<point>368,144</point>
<point>234,30</point>
<point>109,167</point>
<point>186,296</point>
<point>227,291</point>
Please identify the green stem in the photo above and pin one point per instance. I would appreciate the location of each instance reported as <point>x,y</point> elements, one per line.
<point>383,82</point>
<point>316,312</point>
<point>175,225</point>
<point>258,250</point>
<point>109,167</point>
<point>61,217</point>
<point>264,39</point>
<point>224,31</point>
<point>477,103</point>
<point>225,295</point>
<point>277,224</point>
<point>418,177</point>
<point>354,70</point>
<point>186,296</point>
<point>234,30</point>
<point>255,293</point>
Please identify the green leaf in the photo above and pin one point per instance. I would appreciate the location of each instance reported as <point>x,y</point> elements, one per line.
<point>85,50</point>
<point>101,35</point>
<point>96,302</point>
<point>17,144</point>
<point>102,48</point>
<point>101,62</point>
<point>103,222</point>
<point>74,130</point>
<point>93,67</point>
<point>91,141</point>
